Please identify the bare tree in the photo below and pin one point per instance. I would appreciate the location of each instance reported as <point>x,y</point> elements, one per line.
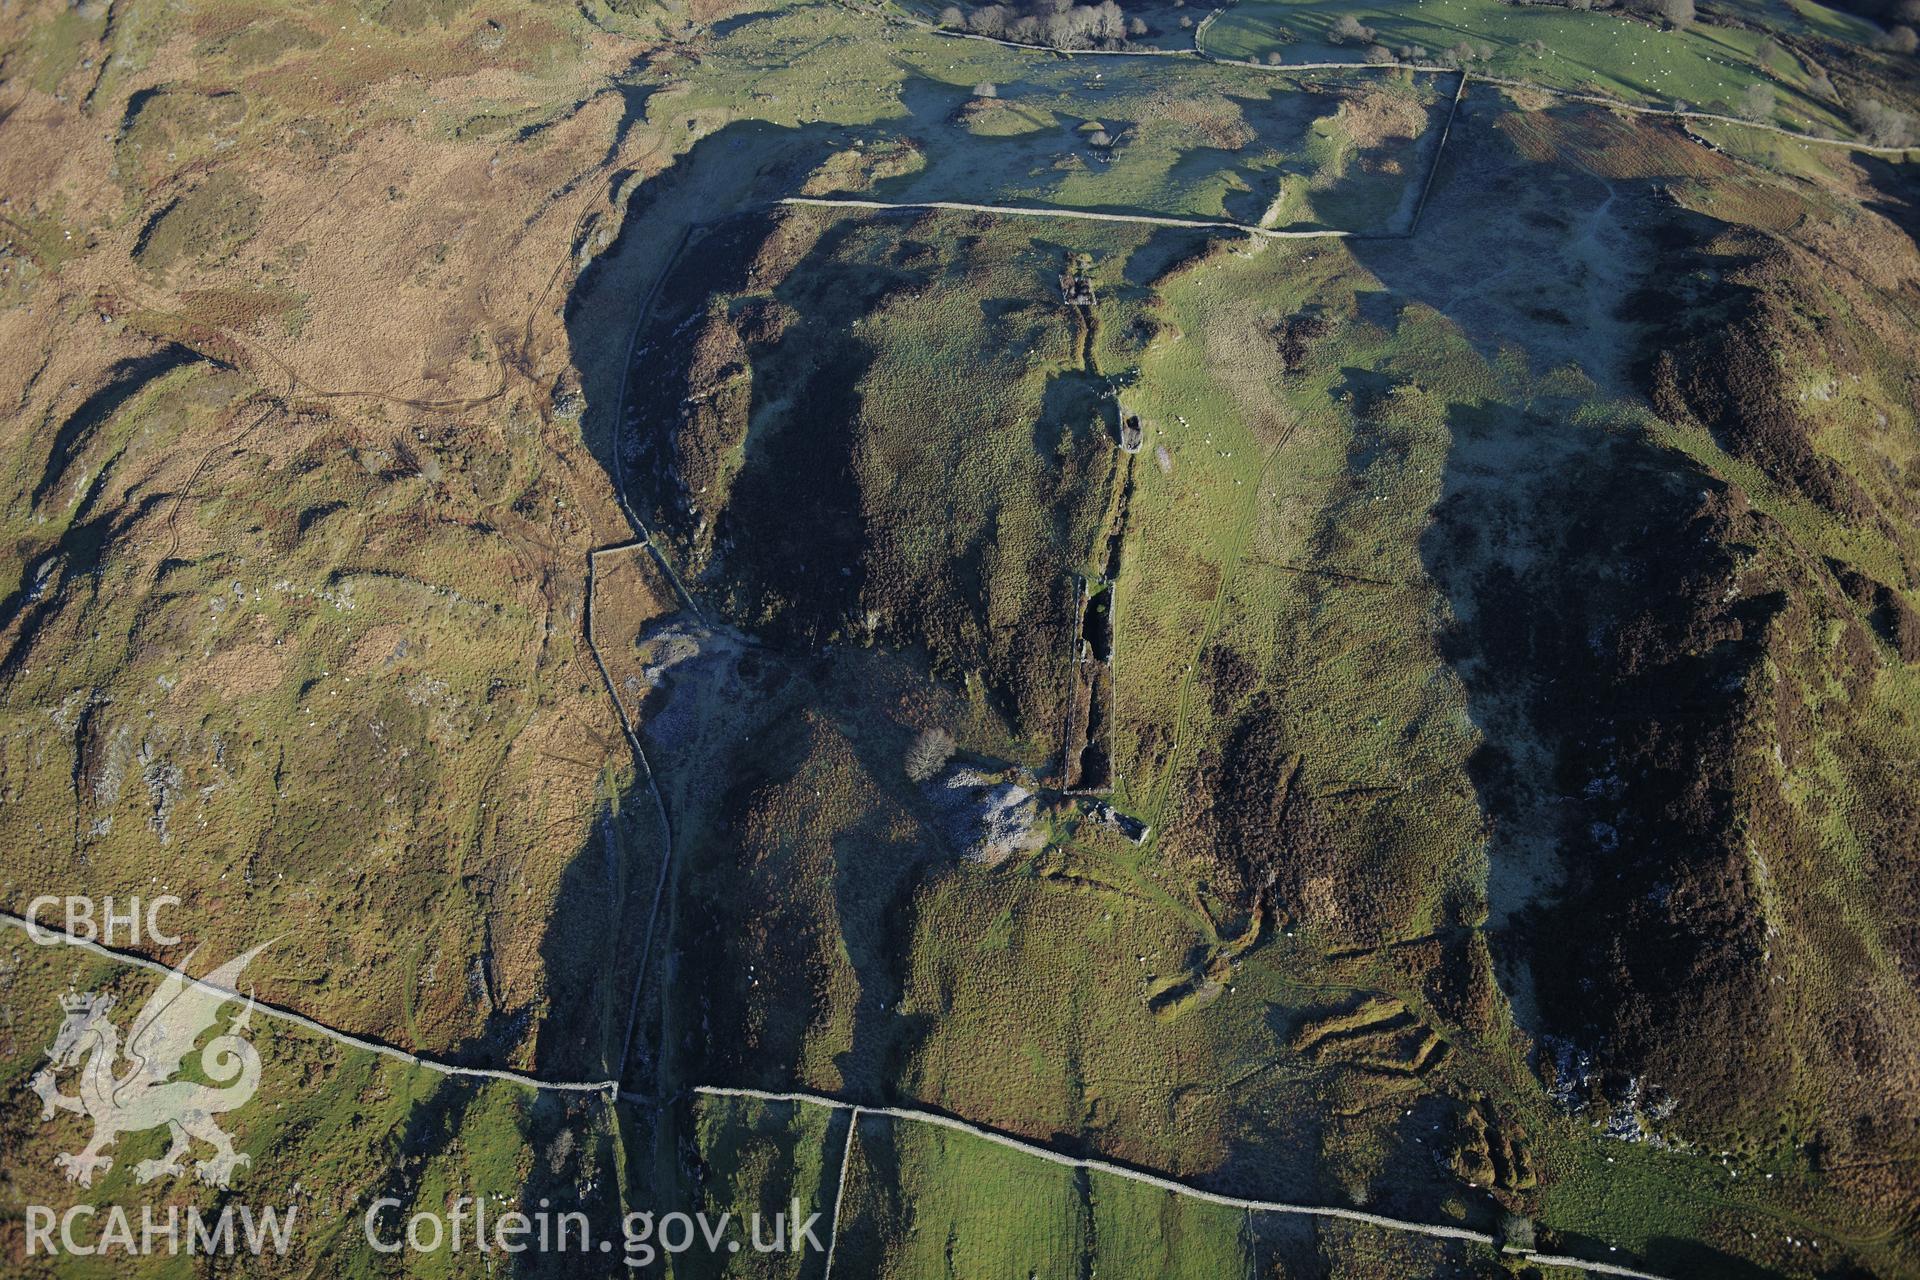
<point>1678,12</point>
<point>1757,102</point>
<point>990,20</point>
<point>929,754</point>
<point>986,89</point>
<point>1885,126</point>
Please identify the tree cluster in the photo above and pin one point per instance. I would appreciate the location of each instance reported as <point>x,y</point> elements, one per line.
<point>1679,13</point>
<point>1757,102</point>
<point>1059,23</point>
<point>1884,125</point>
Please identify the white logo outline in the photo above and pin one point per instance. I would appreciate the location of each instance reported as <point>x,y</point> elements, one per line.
<point>145,1095</point>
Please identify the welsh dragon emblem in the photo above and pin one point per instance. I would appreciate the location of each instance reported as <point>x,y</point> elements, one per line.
<point>144,1095</point>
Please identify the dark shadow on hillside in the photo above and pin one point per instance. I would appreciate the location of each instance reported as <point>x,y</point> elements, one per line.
<point>1074,410</point>
<point>739,22</point>
<point>794,567</point>
<point>1605,668</point>
<point>762,944</point>
<point>775,1149</point>
<point>125,380</point>
<point>1678,1257</point>
<point>633,110</point>
<point>591,956</point>
<point>449,1146</point>
<point>591,952</point>
<point>1286,1245</point>
<point>886,1210</point>
<point>1899,188</point>
<point>431,1130</point>
<point>574,1144</point>
<point>1277,1151</point>
<point>750,452</point>
<point>1168,248</point>
<point>1527,256</point>
<point>874,886</point>
<point>1600,668</point>
<point>72,560</point>
<point>659,211</point>
<point>1605,658</point>
<point>1545,550</point>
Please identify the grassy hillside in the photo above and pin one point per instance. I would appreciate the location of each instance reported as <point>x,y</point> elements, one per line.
<point>1802,66</point>
<point>1317,537</point>
<point>1413,721</point>
<point>331,1131</point>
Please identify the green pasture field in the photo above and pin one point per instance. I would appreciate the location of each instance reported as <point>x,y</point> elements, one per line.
<point>1191,140</point>
<point>897,119</point>
<point>1707,65</point>
<point>764,1158</point>
<point>919,1197</point>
